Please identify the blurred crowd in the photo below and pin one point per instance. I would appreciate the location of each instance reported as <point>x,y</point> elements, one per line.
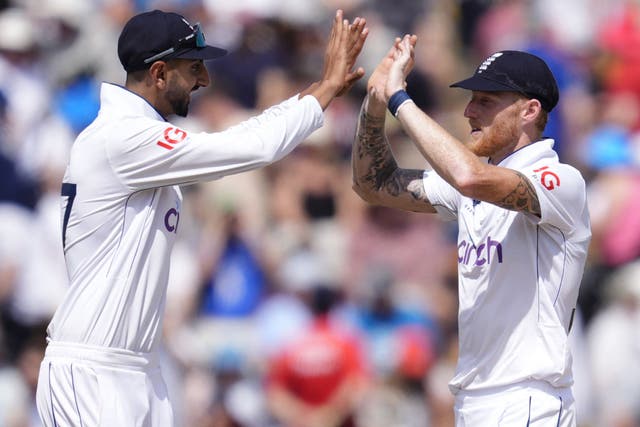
<point>291,302</point>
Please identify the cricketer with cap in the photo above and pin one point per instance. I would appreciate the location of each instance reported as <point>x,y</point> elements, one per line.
<point>121,204</point>
<point>523,229</point>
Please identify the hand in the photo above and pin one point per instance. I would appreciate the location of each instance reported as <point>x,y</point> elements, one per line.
<point>378,79</point>
<point>403,62</point>
<point>344,45</point>
<point>357,35</point>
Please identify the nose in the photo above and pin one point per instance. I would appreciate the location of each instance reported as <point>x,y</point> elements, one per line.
<point>203,78</point>
<point>468,111</point>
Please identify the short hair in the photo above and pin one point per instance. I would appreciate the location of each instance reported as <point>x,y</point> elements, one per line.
<point>137,76</point>
<point>541,120</point>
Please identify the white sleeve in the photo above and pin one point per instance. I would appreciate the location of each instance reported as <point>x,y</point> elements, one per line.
<point>442,196</point>
<point>148,153</point>
<point>561,191</point>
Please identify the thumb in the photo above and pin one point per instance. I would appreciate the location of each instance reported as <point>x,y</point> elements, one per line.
<point>395,80</point>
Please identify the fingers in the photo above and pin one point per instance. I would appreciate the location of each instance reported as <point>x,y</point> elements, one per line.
<point>354,76</point>
<point>351,79</point>
<point>405,49</point>
<point>413,40</point>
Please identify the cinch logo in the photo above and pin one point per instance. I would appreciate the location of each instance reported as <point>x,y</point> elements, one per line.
<point>481,255</point>
<point>171,220</point>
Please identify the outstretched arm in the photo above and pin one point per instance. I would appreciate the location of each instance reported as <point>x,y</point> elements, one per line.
<point>344,45</point>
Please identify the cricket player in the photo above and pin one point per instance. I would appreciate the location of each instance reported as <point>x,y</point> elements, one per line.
<point>121,206</point>
<point>523,229</point>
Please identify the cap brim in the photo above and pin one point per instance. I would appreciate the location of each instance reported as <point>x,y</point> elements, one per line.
<point>482,84</point>
<point>208,52</point>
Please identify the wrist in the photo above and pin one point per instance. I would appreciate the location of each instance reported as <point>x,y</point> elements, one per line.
<point>329,87</point>
<point>397,100</point>
<point>376,107</point>
<point>324,91</point>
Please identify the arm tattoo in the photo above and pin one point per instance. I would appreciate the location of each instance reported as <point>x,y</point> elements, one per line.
<point>372,145</point>
<point>376,170</point>
<point>415,185</point>
<point>409,181</point>
<point>522,198</point>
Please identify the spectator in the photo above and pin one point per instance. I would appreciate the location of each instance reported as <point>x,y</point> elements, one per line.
<point>317,381</point>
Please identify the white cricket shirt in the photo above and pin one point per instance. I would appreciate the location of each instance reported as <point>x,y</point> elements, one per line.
<point>518,275</point>
<point>121,208</point>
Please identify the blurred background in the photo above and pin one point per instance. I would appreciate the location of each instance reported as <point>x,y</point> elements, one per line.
<point>291,302</point>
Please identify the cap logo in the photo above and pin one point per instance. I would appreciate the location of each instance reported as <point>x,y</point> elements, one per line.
<point>187,22</point>
<point>488,62</point>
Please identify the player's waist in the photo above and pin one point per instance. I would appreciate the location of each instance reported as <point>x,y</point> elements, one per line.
<point>471,395</point>
<point>108,356</point>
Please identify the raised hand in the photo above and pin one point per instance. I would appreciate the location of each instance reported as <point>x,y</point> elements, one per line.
<point>357,36</point>
<point>378,79</point>
<point>401,66</point>
<point>344,45</point>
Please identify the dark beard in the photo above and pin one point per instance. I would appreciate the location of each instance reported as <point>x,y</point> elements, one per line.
<point>179,101</point>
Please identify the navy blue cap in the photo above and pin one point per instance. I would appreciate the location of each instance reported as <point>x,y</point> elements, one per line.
<point>515,71</point>
<point>157,35</point>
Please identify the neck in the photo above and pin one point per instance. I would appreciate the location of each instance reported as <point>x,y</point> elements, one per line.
<point>526,138</point>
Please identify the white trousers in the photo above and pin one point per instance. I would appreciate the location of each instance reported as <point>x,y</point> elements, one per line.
<point>87,386</point>
<point>531,404</point>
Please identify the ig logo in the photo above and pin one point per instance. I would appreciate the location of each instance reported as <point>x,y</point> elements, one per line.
<point>549,179</point>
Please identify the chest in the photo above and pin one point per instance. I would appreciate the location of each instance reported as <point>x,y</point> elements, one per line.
<point>488,235</point>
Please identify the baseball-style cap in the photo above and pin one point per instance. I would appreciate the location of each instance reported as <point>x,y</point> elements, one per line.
<point>515,71</point>
<point>157,35</point>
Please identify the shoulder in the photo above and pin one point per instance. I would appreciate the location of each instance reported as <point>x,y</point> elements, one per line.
<point>554,175</point>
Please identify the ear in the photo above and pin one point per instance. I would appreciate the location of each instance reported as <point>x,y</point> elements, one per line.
<point>531,110</point>
<point>158,74</point>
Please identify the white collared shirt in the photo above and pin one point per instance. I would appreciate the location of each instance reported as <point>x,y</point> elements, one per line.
<point>518,275</point>
<point>121,208</point>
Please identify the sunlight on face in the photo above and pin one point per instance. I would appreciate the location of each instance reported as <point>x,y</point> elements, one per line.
<point>495,122</point>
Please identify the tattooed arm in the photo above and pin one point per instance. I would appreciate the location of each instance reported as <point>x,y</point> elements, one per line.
<point>454,162</point>
<point>523,197</point>
<point>378,179</point>
<point>466,172</point>
<point>376,176</point>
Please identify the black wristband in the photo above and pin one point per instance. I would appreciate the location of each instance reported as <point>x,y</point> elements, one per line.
<point>397,100</point>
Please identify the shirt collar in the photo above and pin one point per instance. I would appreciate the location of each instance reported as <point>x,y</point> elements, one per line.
<point>530,153</point>
<point>120,100</point>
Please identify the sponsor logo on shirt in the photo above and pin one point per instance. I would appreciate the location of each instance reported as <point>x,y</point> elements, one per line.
<point>469,254</point>
<point>171,137</point>
<point>549,180</point>
<point>171,220</point>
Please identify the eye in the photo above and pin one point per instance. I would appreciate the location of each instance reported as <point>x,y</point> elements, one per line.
<point>485,101</point>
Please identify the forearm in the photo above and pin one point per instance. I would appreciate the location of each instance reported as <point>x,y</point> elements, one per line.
<point>372,159</point>
<point>455,163</point>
